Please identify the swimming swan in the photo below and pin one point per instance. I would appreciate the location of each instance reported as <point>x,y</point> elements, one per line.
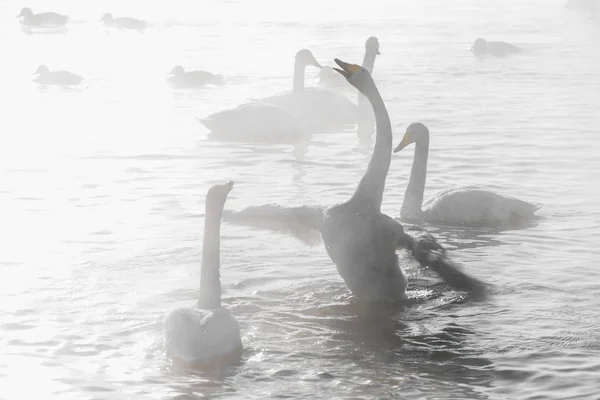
<point>318,109</point>
<point>263,121</point>
<point>328,77</point>
<point>46,19</point>
<point>466,206</point>
<point>179,78</point>
<point>499,49</point>
<point>123,22</point>
<point>358,237</point>
<point>47,77</point>
<point>208,332</point>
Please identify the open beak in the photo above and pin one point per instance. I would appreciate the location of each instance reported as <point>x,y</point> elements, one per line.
<point>406,140</point>
<point>346,69</point>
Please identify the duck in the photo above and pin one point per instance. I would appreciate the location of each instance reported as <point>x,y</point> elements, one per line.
<point>63,78</point>
<point>180,78</point>
<point>207,332</point>
<point>494,48</point>
<point>42,20</point>
<point>265,122</point>
<point>123,22</point>
<point>469,206</point>
<point>360,239</point>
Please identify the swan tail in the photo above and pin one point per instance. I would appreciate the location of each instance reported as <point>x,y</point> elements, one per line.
<point>303,222</point>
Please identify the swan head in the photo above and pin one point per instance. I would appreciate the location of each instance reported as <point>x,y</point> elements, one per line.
<point>217,194</point>
<point>107,17</point>
<point>356,75</point>
<point>42,69</point>
<point>480,45</point>
<point>372,45</point>
<point>305,57</point>
<point>25,12</point>
<point>414,133</point>
<point>177,70</point>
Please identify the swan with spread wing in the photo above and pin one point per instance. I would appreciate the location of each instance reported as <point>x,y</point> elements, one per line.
<point>358,237</point>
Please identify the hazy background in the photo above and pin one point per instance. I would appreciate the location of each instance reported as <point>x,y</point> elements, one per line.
<point>102,188</point>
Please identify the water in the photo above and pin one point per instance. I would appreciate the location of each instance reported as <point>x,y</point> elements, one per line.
<point>103,189</point>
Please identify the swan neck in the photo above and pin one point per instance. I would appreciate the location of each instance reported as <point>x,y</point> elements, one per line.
<point>210,282</point>
<point>299,68</point>
<point>413,197</point>
<point>372,185</point>
<point>365,119</point>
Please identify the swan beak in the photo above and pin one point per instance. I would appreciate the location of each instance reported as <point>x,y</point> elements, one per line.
<point>347,70</point>
<point>406,140</point>
<point>229,186</point>
<point>377,52</point>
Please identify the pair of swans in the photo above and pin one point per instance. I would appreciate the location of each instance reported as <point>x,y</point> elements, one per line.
<point>292,116</point>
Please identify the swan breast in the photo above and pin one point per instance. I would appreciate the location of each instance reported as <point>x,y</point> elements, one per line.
<point>194,335</point>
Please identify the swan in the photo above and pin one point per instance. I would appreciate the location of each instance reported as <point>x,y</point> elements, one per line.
<point>328,77</point>
<point>361,240</point>
<point>123,22</point>
<point>208,332</point>
<point>46,19</point>
<point>466,206</point>
<point>318,109</point>
<point>47,77</point>
<point>178,77</point>
<point>494,48</point>
<point>263,121</point>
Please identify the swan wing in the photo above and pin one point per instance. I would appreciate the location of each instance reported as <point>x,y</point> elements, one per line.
<point>302,222</point>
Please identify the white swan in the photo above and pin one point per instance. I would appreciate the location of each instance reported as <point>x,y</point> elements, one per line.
<point>264,121</point>
<point>123,22</point>
<point>358,237</point>
<point>208,332</point>
<point>328,77</point>
<point>495,48</point>
<point>318,109</point>
<point>46,19</point>
<point>180,78</point>
<point>466,206</point>
<point>64,78</point>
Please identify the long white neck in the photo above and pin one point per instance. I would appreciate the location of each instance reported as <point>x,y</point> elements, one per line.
<point>299,68</point>
<point>413,197</point>
<point>210,282</point>
<point>365,116</point>
<point>370,188</point>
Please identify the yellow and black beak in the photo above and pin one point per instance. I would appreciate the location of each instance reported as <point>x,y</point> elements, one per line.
<point>406,140</point>
<point>347,70</point>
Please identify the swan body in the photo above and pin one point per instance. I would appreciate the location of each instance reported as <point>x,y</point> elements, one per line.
<point>495,48</point>
<point>255,121</point>
<point>64,78</point>
<point>180,78</point>
<point>465,206</point>
<point>123,22</point>
<point>319,109</point>
<point>328,77</point>
<point>265,121</point>
<point>46,19</point>
<point>208,332</point>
